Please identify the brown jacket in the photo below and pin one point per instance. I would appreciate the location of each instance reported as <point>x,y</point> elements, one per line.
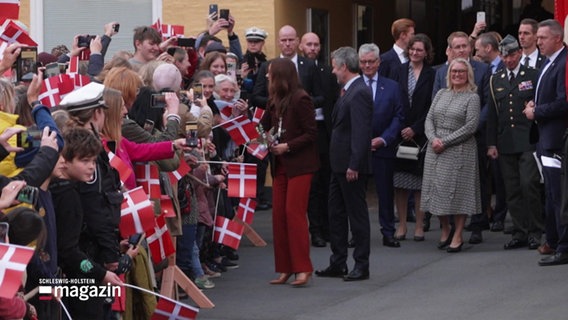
<point>300,132</point>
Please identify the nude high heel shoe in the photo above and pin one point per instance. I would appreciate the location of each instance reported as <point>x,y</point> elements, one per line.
<point>282,279</point>
<point>302,279</point>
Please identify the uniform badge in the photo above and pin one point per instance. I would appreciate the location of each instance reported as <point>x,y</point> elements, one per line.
<point>525,85</point>
<point>500,89</point>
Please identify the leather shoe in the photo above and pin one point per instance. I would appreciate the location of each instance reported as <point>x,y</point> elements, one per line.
<point>262,206</point>
<point>476,237</point>
<point>557,259</point>
<point>332,272</point>
<point>351,243</point>
<point>391,242</point>
<point>514,244</point>
<point>451,249</point>
<point>497,226</point>
<point>534,243</point>
<point>546,249</point>
<point>318,241</point>
<point>357,275</point>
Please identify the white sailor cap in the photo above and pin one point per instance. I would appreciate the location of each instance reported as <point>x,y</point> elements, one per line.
<point>254,33</point>
<point>87,97</point>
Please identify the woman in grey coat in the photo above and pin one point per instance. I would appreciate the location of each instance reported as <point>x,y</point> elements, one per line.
<point>450,184</point>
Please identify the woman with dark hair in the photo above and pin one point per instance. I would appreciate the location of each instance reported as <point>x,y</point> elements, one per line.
<point>290,113</point>
<point>416,78</point>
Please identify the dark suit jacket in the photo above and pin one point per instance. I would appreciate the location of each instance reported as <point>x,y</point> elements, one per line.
<point>388,115</point>
<point>551,112</point>
<point>308,78</point>
<point>300,134</point>
<point>507,127</point>
<point>481,73</point>
<point>415,114</point>
<point>330,90</point>
<point>389,63</point>
<point>350,145</point>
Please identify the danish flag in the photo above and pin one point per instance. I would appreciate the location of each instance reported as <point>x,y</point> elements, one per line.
<point>242,180</point>
<point>12,31</point>
<point>157,25</point>
<point>241,129</point>
<point>136,213</point>
<point>148,177</point>
<point>13,262</point>
<point>160,241</point>
<point>246,208</point>
<point>73,65</point>
<point>257,116</point>
<point>124,170</point>
<point>171,30</point>
<point>228,232</point>
<point>226,112</point>
<point>49,93</point>
<point>167,206</point>
<point>180,172</point>
<point>258,150</point>
<point>10,9</point>
<point>168,310</point>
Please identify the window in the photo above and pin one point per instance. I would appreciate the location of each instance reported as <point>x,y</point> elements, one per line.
<point>364,20</point>
<point>318,23</point>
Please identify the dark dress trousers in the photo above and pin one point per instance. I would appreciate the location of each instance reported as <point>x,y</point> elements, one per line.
<point>350,148</point>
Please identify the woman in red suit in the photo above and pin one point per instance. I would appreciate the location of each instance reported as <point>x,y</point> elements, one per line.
<point>290,112</point>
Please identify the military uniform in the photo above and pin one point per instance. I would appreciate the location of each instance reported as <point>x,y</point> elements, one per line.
<point>508,129</point>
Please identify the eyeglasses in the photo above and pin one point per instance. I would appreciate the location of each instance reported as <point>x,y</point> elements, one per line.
<point>416,50</point>
<point>369,62</point>
<point>458,71</point>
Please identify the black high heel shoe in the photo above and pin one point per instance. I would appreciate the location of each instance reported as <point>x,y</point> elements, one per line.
<point>454,250</point>
<point>442,245</point>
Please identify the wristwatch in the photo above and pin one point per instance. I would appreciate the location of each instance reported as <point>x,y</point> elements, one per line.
<point>35,103</point>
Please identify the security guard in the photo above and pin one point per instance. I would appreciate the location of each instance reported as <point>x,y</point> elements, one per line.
<point>508,132</point>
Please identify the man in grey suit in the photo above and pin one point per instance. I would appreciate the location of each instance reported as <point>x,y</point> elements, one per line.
<point>350,158</point>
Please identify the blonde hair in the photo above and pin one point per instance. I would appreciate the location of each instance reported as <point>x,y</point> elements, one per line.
<point>471,86</point>
<point>146,72</point>
<point>112,129</point>
<point>7,96</point>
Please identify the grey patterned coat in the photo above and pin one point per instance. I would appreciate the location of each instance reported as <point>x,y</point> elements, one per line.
<point>451,179</point>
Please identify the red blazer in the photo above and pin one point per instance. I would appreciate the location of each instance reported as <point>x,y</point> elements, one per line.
<point>300,133</point>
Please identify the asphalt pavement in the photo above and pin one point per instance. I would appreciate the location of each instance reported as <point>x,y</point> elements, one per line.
<point>415,281</point>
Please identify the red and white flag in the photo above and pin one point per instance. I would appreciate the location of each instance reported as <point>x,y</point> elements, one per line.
<point>228,232</point>
<point>257,116</point>
<point>148,176</point>
<point>159,240</point>
<point>136,213</point>
<point>171,30</point>
<point>157,25</point>
<point>10,9</point>
<point>124,170</point>
<point>73,65</point>
<point>180,172</point>
<point>13,262</point>
<point>16,32</point>
<point>226,113</point>
<point>49,93</point>
<point>172,310</point>
<point>241,129</point>
<point>242,180</point>
<point>80,80</point>
<point>258,150</point>
<point>246,208</point>
<point>167,206</point>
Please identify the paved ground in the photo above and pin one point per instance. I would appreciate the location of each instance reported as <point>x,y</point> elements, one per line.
<point>416,281</point>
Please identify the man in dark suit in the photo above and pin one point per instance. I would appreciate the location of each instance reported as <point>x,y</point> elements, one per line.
<point>460,47</point>
<point>317,208</point>
<point>527,38</point>
<point>288,42</point>
<point>350,158</point>
<point>402,30</point>
<point>388,118</point>
<point>508,142</point>
<point>550,111</point>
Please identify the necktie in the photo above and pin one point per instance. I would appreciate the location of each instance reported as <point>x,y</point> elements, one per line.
<point>526,63</point>
<point>511,77</point>
<point>411,83</point>
<point>342,93</point>
<point>371,87</point>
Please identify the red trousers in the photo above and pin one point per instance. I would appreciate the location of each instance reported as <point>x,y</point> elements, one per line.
<point>290,223</point>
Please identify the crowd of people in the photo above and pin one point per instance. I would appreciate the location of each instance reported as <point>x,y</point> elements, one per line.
<point>436,139</point>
